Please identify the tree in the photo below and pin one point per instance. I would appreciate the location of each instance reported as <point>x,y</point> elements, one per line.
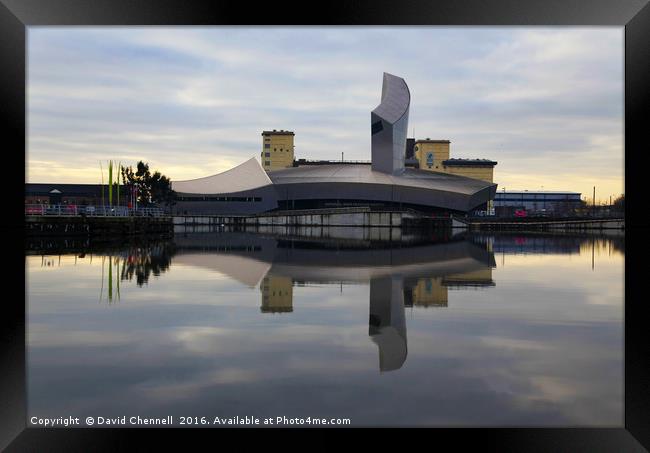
<point>151,189</point>
<point>619,203</point>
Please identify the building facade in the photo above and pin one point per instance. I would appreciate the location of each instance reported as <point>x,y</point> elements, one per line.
<point>252,187</point>
<point>431,153</point>
<point>531,201</point>
<point>388,126</point>
<point>277,149</point>
<point>72,194</point>
<point>434,155</point>
<point>482,169</point>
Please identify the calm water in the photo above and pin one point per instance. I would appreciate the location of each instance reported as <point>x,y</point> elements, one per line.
<point>371,325</point>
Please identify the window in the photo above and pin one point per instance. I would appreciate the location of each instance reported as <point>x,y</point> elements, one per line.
<point>267,154</point>
<point>267,145</point>
<point>376,127</point>
<point>267,163</point>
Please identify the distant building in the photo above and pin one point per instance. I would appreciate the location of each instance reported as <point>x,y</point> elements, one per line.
<point>78,194</point>
<point>543,201</point>
<point>277,149</point>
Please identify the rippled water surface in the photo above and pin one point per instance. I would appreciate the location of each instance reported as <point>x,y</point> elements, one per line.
<point>380,327</point>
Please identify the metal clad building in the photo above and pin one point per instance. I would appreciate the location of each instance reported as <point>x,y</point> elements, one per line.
<point>388,126</point>
<point>249,189</point>
<point>537,201</point>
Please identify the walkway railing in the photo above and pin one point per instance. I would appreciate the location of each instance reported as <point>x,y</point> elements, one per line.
<point>90,211</point>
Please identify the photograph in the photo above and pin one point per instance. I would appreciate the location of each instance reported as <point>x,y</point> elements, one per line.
<point>315,226</point>
<point>263,220</point>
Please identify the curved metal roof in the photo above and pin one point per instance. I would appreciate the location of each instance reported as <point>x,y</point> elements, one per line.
<point>246,176</point>
<point>364,174</point>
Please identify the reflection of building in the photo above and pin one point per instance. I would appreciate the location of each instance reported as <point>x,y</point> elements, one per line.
<point>477,278</point>
<point>513,243</point>
<point>277,294</point>
<point>400,273</point>
<point>386,323</point>
<point>387,182</point>
<point>433,291</point>
<point>428,292</point>
<point>277,149</point>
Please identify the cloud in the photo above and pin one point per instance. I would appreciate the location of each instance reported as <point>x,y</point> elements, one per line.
<point>546,103</point>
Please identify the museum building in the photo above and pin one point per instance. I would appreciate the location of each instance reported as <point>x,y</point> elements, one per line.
<point>386,181</point>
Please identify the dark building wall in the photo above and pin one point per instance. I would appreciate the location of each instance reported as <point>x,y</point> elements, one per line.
<point>258,200</point>
<point>504,202</point>
<point>410,145</point>
<point>395,194</point>
<point>80,194</point>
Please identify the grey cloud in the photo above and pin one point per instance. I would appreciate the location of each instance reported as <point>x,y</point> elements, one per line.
<point>496,91</point>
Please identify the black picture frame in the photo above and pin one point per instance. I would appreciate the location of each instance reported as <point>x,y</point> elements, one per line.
<point>634,15</point>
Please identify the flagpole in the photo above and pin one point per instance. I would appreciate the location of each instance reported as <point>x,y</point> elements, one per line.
<point>101,168</point>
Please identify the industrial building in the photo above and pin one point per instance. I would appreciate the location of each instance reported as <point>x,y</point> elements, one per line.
<point>555,203</point>
<point>252,187</point>
<point>73,194</point>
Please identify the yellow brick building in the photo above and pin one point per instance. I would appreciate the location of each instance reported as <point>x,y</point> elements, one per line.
<point>431,153</point>
<point>277,149</point>
<point>482,169</point>
<point>434,155</point>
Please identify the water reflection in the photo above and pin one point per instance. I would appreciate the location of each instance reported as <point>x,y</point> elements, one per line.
<point>401,270</point>
<point>141,262</point>
<point>311,322</point>
<point>387,326</point>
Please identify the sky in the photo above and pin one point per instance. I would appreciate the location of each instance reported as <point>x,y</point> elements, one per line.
<point>546,103</point>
